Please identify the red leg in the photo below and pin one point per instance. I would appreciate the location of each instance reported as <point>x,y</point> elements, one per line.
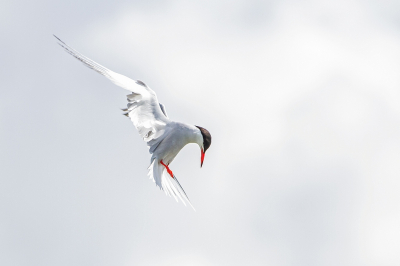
<point>168,170</point>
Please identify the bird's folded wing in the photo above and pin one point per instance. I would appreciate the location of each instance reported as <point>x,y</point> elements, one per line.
<point>143,107</point>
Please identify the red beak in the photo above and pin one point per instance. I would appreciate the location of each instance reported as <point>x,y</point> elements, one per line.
<point>202,157</point>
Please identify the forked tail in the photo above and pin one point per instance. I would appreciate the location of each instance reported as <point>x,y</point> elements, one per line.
<point>164,181</point>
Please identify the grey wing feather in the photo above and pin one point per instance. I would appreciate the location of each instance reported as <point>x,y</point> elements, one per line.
<point>163,109</point>
<point>86,61</point>
<point>120,80</point>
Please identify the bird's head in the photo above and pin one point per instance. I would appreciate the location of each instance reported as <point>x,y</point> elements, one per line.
<point>206,142</point>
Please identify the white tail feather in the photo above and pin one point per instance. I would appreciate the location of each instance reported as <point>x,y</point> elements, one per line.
<point>165,182</point>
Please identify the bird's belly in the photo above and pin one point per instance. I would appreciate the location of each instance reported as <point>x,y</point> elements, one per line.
<point>169,150</point>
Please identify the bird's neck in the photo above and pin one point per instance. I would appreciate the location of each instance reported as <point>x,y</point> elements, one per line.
<point>193,135</point>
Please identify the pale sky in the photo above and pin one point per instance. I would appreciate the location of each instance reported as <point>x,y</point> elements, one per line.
<point>302,101</point>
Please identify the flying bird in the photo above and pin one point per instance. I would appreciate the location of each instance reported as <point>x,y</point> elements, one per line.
<point>164,137</point>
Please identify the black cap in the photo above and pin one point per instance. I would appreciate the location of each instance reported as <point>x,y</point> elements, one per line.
<point>206,138</point>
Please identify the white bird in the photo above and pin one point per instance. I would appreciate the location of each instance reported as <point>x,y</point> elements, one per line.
<point>164,137</point>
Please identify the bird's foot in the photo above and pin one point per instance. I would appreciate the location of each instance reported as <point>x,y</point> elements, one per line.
<point>168,170</point>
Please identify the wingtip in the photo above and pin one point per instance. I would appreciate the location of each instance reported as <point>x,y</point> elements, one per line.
<point>57,38</point>
<point>61,42</point>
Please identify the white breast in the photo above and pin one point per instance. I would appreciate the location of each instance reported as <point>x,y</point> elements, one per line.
<point>179,135</point>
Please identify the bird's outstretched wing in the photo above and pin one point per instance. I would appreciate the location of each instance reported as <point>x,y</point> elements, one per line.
<point>143,107</point>
<point>118,79</point>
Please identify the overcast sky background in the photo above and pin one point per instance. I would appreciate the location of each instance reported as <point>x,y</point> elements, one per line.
<point>302,101</point>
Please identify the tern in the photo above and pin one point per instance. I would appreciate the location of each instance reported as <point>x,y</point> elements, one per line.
<point>164,137</point>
